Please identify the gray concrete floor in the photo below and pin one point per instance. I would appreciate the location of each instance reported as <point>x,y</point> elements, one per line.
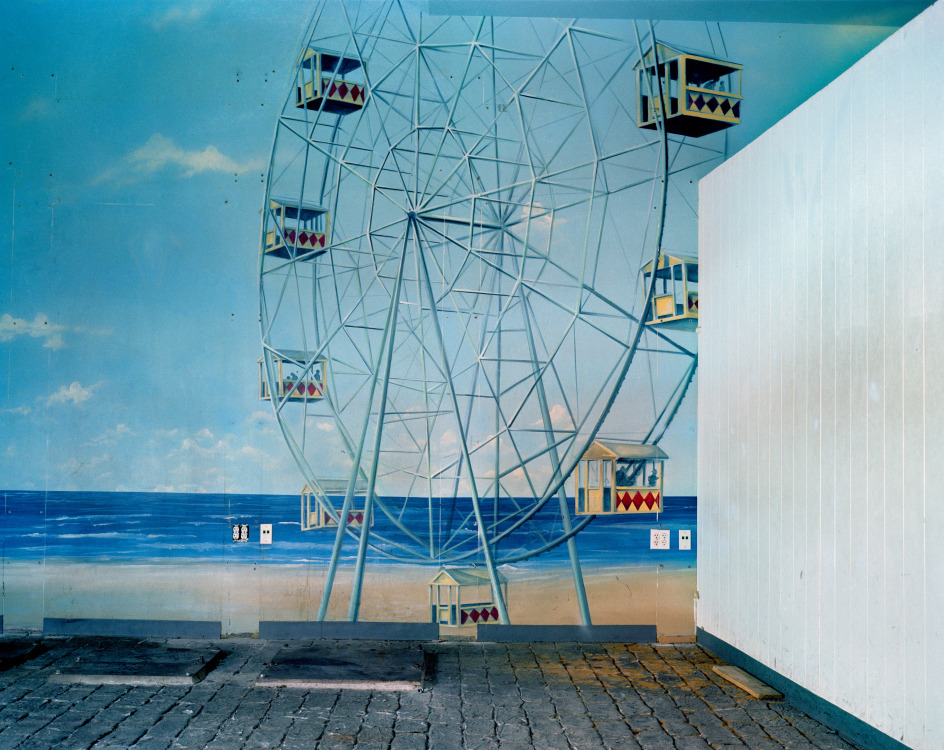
<point>507,696</point>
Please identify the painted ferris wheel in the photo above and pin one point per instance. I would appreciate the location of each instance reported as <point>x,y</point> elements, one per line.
<point>465,276</point>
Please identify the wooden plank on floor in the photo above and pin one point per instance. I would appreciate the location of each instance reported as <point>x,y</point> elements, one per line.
<point>748,682</point>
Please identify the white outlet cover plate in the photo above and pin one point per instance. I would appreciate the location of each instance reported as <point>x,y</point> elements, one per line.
<point>660,539</point>
<point>265,533</point>
<point>685,538</point>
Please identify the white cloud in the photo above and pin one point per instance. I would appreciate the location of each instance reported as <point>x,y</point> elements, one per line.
<point>247,451</point>
<point>325,426</point>
<point>539,218</point>
<point>111,437</point>
<point>179,15</point>
<point>200,462</point>
<point>195,452</point>
<point>40,327</point>
<point>36,108</point>
<point>72,466</point>
<point>161,152</point>
<point>448,439</point>
<point>54,342</point>
<point>189,444</point>
<point>560,419</point>
<point>23,411</point>
<point>74,393</point>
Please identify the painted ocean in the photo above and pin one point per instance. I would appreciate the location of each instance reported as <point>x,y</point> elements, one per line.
<point>154,527</point>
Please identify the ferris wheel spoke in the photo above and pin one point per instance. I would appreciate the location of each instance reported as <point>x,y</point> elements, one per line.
<point>349,443</point>
<point>529,513</point>
<point>350,168</point>
<point>272,315</point>
<point>448,546</point>
<point>672,405</point>
<point>381,121</point>
<point>618,310</point>
<point>577,528</point>
<point>431,80</point>
<point>450,116</point>
<point>428,196</point>
<point>427,544</point>
<point>525,518</point>
<point>504,429</point>
<point>329,334</point>
<point>539,172</point>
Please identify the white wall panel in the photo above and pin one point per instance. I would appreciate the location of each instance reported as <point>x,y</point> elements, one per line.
<point>929,192</point>
<point>913,387</point>
<point>821,391</point>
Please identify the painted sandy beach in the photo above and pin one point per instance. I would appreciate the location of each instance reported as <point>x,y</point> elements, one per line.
<point>240,595</point>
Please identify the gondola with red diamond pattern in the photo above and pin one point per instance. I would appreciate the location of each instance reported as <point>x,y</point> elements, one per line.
<point>297,231</point>
<point>320,86</point>
<point>316,516</point>
<point>618,477</point>
<point>692,94</point>
<point>446,606</point>
<point>296,378</point>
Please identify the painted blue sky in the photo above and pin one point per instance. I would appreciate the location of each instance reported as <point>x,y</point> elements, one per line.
<point>134,141</point>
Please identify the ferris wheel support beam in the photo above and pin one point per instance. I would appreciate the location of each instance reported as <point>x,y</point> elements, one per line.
<point>349,495</point>
<point>497,593</point>
<point>390,336</point>
<point>555,464</point>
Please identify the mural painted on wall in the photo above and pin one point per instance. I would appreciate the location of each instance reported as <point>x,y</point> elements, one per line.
<point>444,245</point>
<point>474,259</point>
<point>172,556</point>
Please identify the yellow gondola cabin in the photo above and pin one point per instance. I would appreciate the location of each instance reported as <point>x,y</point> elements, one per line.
<point>445,597</point>
<point>675,297</point>
<point>316,516</point>
<point>295,379</point>
<point>296,231</point>
<point>616,476</point>
<point>321,85</point>
<point>692,94</point>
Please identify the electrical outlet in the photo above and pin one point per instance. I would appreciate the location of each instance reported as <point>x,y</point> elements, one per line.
<point>240,532</point>
<point>660,539</point>
<point>685,538</point>
<point>265,533</point>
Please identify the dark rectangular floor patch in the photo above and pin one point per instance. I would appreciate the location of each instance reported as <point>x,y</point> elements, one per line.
<point>15,651</point>
<point>346,666</point>
<point>121,661</point>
